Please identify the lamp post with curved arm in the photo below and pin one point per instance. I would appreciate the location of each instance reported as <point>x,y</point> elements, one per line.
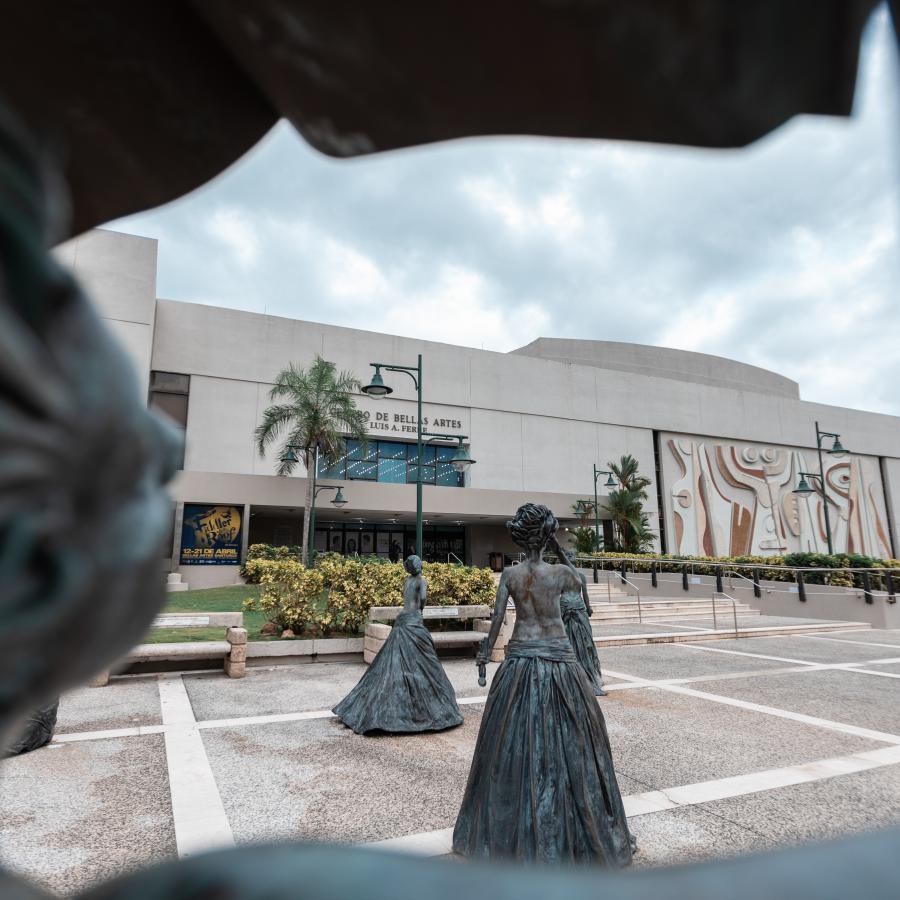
<point>461,461</point>
<point>803,487</point>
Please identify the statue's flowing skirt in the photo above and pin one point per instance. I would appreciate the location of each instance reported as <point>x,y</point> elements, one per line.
<point>37,730</point>
<point>405,689</point>
<point>578,628</point>
<point>542,786</point>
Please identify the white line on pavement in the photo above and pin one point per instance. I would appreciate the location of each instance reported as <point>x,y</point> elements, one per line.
<point>817,637</point>
<point>842,727</point>
<point>440,843</point>
<point>629,683</point>
<point>197,811</point>
<point>873,672</point>
<point>786,659</point>
<point>137,731</point>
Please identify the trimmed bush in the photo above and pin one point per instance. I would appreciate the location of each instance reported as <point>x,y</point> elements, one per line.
<point>768,565</point>
<point>344,589</point>
<point>265,551</point>
<point>289,593</point>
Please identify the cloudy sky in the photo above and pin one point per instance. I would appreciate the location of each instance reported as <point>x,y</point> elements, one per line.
<point>783,255</point>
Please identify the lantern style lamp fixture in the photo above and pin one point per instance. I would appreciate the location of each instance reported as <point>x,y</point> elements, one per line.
<point>461,459</point>
<point>289,456</point>
<point>376,388</point>
<point>803,486</point>
<point>837,448</point>
<point>339,499</point>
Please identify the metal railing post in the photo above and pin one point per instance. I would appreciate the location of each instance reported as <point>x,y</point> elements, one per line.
<point>653,579</point>
<point>889,586</point>
<point>715,623</point>
<point>623,575</point>
<point>594,567</point>
<point>684,578</point>
<point>757,591</point>
<point>801,585</point>
<point>867,588</point>
<point>719,586</point>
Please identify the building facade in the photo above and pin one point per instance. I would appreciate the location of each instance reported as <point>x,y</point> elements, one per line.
<point>722,442</point>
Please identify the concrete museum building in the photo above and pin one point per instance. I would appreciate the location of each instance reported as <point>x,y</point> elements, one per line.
<point>723,442</point>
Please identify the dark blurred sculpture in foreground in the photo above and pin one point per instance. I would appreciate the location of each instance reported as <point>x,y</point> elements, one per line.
<point>83,509</point>
<point>37,731</point>
<point>406,689</point>
<point>542,786</point>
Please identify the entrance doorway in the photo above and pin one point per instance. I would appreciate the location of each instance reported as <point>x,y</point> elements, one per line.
<point>440,543</point>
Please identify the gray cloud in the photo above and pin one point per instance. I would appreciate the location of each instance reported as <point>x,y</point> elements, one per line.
<point>782,254</point>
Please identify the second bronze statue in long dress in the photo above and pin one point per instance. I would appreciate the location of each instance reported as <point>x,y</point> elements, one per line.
<point>542,786</point>
<point>575,608</point>
<point>405,690</point>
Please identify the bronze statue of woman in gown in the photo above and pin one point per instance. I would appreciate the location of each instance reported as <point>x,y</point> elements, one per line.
<point>542,786</point>
<point>405,690</point>
<point>575,608</point>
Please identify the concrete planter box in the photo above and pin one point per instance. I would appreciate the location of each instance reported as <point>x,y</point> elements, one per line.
<point>312,650</point>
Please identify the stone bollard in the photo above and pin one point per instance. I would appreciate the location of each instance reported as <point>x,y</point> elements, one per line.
<point>101,679</point>
<point>236,661</point>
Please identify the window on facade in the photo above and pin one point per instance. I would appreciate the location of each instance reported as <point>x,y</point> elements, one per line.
<point>394,463</point>
<point>169,394</point>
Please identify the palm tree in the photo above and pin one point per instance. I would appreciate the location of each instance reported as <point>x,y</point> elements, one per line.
<point>626,505</point>
<point>318,413</point>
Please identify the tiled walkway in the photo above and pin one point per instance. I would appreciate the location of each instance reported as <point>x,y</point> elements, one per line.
<point>721,747</point>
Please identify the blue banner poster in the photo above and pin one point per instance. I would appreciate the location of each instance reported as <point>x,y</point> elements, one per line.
<point>211,535</point>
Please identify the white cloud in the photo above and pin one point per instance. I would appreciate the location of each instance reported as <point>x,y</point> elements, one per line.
<point>236,230</point>
<point>783,254</point>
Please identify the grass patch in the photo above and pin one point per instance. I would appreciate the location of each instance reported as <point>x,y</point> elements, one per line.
<point>221,599</point>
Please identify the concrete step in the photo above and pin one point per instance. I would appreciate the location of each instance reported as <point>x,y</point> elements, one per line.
<point>624,640</point>
<point>681,619</point>
<point>632,609</point>
<point>672,614</point>
<point>666,602</point>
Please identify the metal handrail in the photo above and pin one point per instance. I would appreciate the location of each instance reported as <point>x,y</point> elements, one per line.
<point>459,562</point>
<point>739,575</point>
<point>622,578</point>
<point>591,560</point>
<point>733,609</point>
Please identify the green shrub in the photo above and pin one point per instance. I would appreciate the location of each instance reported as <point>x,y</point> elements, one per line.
<point>345,588</point>
<point>263,552</point>
<point>768,565</point>
<point>289,593</point>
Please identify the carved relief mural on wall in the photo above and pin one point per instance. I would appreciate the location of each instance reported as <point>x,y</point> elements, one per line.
<point>735,499</point>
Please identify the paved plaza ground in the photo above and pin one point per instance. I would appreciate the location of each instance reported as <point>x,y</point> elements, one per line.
<point>721,747</point>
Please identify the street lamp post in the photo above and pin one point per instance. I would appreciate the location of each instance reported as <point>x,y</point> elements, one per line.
<point>803,487</point>
<point>377,389</point>
<point>461,461</point>
<point>610,482</point>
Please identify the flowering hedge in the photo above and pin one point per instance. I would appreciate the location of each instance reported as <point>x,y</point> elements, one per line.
<point>289,594</point>
<point>338,593</point>
<point>768,565</point>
